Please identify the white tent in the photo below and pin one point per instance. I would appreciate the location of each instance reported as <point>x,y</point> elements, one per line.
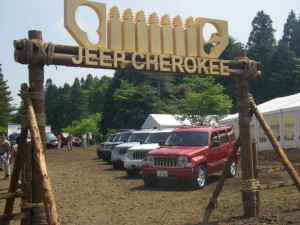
<point>163,121</point>
<point>283,117</point>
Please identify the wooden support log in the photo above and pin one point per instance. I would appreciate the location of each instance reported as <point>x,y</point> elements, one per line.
<point>5,219</point>
<point>62,55</point>
<point>276,169</point>
<point>47,191</point>
<point>9,195</point>
<point>272,186</point>
<point>255,172</point>
<point>285,161</point>
<point>214,198</point>
<point>8,209</point>
<point>41,162</point>
<point>27,183</point>
<point>248,193</point>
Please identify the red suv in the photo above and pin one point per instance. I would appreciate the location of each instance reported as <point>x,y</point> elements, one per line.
<point>190,154</point>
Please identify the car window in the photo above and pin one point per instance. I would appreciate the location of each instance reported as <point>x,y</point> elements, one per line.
<point>137,137</point>
<point>125,137</point>
<point>157,137</point>
<point>231,134</point>
<point>187,139</point>
<point>223,136</point>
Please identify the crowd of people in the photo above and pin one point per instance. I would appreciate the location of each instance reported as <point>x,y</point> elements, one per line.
<point>8,152</point>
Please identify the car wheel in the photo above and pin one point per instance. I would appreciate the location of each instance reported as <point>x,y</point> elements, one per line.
<point>116,166</point>
<point>200,179</point>
<point>132,173</point>
<point>233,169</point>
<point>150,182</point>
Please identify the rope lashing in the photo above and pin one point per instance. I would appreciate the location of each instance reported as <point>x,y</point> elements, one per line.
<point>44,52</point>
<point>25,94</point>
<point>249,189</point>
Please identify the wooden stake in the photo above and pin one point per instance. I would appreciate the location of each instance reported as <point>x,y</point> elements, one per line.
<point>225,172</point>
<point>246,159</point>
<point>40,161</point>
<point>16,172</point>
<point>285,161</point>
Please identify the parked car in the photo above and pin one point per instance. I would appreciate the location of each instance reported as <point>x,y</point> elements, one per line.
<point>120,138</point>
<point>64,138</point>
<point>135,155</point>
<point>76,141</point>
<point>51,141</point>
<point>102,146</point>
<point>190,154</point>
<point>118,153</point>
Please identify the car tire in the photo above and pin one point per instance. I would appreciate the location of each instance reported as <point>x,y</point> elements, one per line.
<point>150,182</point>
<point>233,169</point>
<point>132,173</point>
<point>200,179</point>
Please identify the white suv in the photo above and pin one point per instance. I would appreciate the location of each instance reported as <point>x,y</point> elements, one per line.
<point>135,155</point>
<point>136,138</point>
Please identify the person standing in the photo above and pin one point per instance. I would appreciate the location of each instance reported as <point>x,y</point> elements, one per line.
<point>69,143</point>
<point>90,138</point>
<point>5,154</point>
<point>83,139</point>
<point>58,141</point>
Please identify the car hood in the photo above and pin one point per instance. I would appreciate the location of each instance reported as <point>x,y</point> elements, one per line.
<point>177,150</point>
<point>145,147</point>
<point>128,145</point>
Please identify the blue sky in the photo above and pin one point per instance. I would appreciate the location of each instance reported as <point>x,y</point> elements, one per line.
<point>17,17</point>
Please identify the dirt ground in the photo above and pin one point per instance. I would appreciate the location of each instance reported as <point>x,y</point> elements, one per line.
<point>89,191</point>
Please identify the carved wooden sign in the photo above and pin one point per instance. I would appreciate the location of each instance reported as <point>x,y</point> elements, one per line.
<point>152,45</point>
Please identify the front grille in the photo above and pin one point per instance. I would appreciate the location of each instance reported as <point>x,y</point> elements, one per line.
<point>122,151</point>
<point>139,154</point>
<point>166,161</point>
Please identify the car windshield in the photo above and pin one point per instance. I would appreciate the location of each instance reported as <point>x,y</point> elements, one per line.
<point>187,139</point>
<point>138,137</point>
<point>50,135</point>
<point>157,137</point>
<point>124,137</point>
<point>111,137</point>
<point>117,137</point>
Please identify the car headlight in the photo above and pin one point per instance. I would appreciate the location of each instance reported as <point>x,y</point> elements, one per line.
<point>182,161</point>
<point>150,160</point>
<point>129,154</point>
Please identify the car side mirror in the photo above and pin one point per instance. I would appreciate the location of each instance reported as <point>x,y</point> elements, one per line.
<point>215,144</point>
<point>160,143</point>
<point>141,142</point>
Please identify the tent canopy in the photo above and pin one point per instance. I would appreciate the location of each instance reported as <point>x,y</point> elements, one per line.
<point>162,121</point>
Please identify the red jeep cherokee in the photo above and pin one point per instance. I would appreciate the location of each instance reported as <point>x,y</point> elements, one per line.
<point>190,154</point>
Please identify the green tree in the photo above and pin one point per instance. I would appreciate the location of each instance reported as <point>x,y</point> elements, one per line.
<point>86,124</point>
<point>261,46</point>
<point>134,104</point>
<point>289,28</point>
<point>78,102</point>
<point>204,101</point>
<point>5,99</point>
<point>96,94</point>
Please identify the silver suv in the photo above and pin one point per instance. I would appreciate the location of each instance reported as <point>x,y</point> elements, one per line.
<point>135,155</point>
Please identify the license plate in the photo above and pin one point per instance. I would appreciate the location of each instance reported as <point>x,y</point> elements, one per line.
<point>162,173</point>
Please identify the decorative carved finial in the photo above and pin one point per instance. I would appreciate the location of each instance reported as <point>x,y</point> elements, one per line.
<point>165,20</point>
<point>189,22</point>
<point>153,19</point>
<point>177,22</point>
<point>140,16</point>
<point>114,12</point>
<point>127,14</point>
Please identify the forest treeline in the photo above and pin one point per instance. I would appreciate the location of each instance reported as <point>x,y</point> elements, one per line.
<point>125,100</point>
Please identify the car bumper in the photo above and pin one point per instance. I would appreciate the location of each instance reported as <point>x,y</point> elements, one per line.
<point>186,173</point>
<point>132,163</point>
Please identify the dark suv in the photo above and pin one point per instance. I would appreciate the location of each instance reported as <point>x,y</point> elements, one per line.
<point>51,140</point>
<point>190,154</point>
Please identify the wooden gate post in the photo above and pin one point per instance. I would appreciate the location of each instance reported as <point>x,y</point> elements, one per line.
<point>248,195</point>
<point>36,84</point>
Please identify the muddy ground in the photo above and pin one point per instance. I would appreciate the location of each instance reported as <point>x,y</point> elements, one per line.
<point>89,191</point>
